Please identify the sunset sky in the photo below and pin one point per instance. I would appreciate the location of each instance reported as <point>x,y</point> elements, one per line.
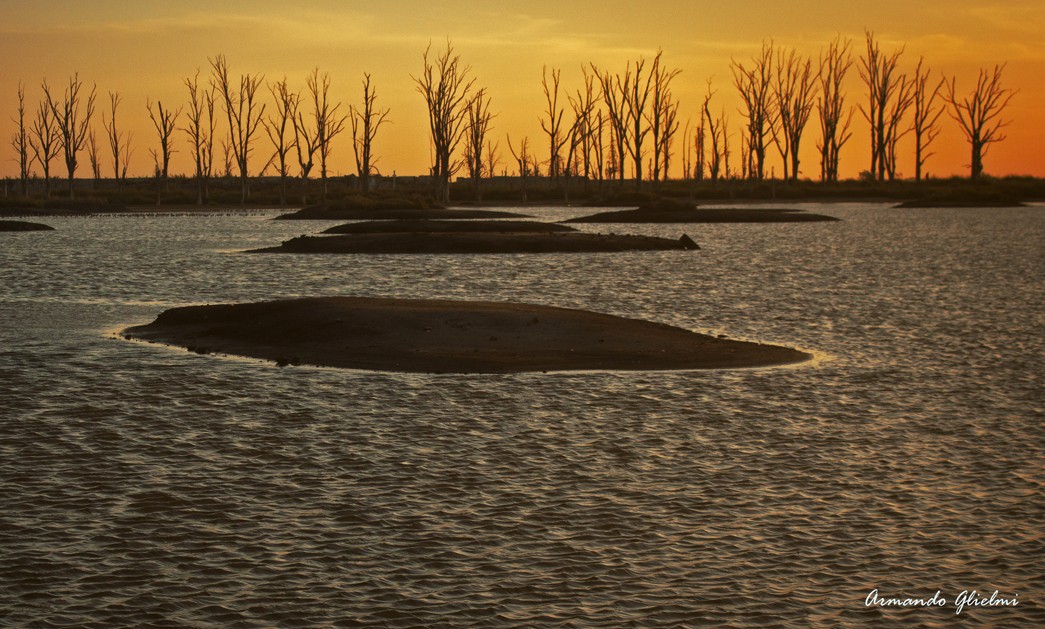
<point>145,50</point>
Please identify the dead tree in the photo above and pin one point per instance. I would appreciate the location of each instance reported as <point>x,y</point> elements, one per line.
<point>887,89</point>
<point>834,117</point>
<point>164,121</point>
<point>894,127</point>
<point>637,100</point>
<point>662,117</point>
<point>493,157</point>
<point>479,117</point>
<point>365,123</point>
<point>73,124</point>
<point>119,141</point>
<point>45,141</point>
<point>306,143</point>
<point>279,129</point>
<point>552,125</point>
<point>446,87</point>
<point>926,113</point>
<point>793,93</point>
<point>979,115</point>
<point>524,161</point>
<point>200,130</point>
<point>754,85</point>
<point>243,111</point>
<point>92,158</point>
<point>329,123</point>
<point>615,91</point>
<point>20,142</point>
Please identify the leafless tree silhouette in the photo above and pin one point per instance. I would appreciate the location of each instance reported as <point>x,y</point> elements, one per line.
<point>280,128</point>
<point>243,111</point>
<point>200,130</point>
<point>524,161</point>
<point>637,99</point>
<point>445,85</point>
<point>306,143</point>
<point>479,117</point>
<point>164,121</point>
<point>73,124</point>
<point>20,142</point>
<point>329,123</point>
<point>92,158</point>
<point>552,125</point>
<point>834,117</point>
<point>889,97</point>
<point>926,112</point>
<point>754,84</point>
<point>794,90</point>
<point>614,92</point>
<point>119,141</point>
<point>979,115</point>
<point>662,116</point>
<point>45,140</point>
<point>365,123</point>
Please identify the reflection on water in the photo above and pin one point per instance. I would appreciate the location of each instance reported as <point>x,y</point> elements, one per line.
<point>144,486</point>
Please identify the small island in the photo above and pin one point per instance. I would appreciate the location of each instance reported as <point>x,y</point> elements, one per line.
<point>477,242</point>
<point>447,337</point>
<point>369,208</point>
<point>23,226</point>
<point>667,211</point>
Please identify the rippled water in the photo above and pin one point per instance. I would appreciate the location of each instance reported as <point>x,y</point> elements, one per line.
<point>146,486</point>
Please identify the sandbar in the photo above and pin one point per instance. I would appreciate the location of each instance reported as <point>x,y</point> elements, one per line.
<point>440,336</point>
<point>432,226</point>
<point>23,226</point>
<point>413,242</point>
<point>704,215</point>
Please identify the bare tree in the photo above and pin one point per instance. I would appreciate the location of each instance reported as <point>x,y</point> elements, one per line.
<point>119,141</point>
<point>200,130</point>
<point>493,157</point>
<point>524,161</point>
<point>661,118</point>
<point>163,120</point>
<point>329,123</point>
<point>244,113</point>
<point>73,124</point>
<point>637,99</point>
<point>20,142</point>
<point>365,123</point>
<point>793,93</point>
<point>445,86</point>
<point>45,141</point>
<point>552,126</point>
<point>979,115</point>
<point>280,128</point>
<point>754,85</point>
<point>888,98</point>
<point>479,117</point>
<point>834,117</point>
<point>306,143</point>
<point>92,156</point>
<point>584,108</point>
<point>615,91</point>
<point>926,113</point>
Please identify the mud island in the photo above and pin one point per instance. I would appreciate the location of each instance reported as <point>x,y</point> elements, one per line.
<point>481,237</point>
<point>447,337</point>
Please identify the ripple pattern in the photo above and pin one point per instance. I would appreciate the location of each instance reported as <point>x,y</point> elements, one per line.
<point>144,486</point>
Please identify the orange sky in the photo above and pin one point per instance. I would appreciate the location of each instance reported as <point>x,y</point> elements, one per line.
<point>145,50</point>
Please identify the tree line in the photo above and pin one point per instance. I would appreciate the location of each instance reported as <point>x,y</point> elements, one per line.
<point>616,125</point>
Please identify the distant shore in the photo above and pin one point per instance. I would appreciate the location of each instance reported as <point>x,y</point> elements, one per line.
<point>447,336</point>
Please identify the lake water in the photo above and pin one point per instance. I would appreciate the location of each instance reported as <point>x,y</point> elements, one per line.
<point>147,486</point>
